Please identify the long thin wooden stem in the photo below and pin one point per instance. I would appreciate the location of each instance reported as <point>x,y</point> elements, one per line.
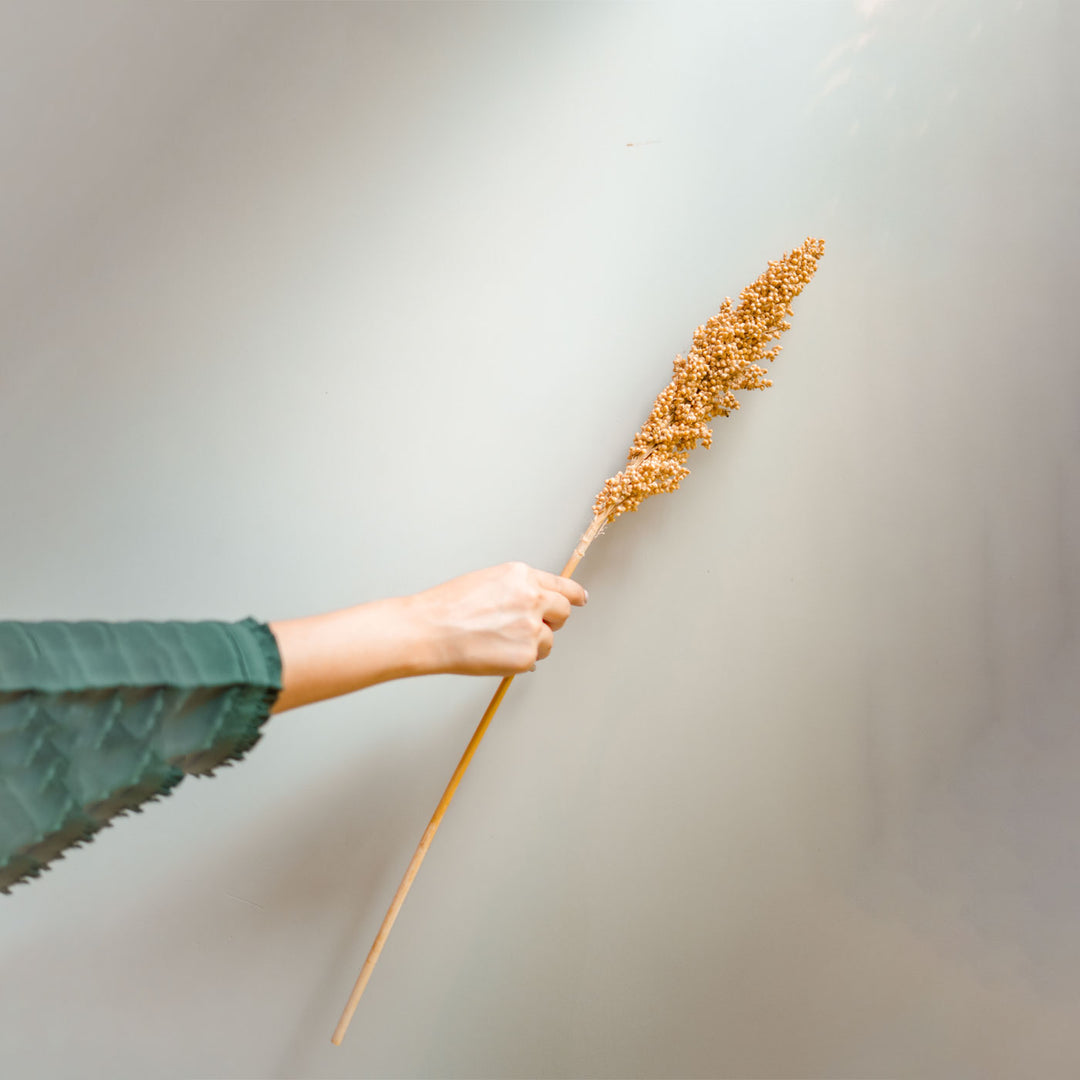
<point>590,535</point>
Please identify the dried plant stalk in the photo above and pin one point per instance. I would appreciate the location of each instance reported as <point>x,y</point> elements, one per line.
<point>725,356</point>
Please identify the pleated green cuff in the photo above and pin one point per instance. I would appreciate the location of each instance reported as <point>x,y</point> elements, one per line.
<point>97,718</point>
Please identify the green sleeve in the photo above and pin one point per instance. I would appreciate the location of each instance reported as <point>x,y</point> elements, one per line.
<point>96,718</point>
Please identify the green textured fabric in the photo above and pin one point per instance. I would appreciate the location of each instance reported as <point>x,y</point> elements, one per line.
<point>96,718</point>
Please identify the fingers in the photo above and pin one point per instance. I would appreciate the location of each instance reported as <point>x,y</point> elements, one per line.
<point>556,603</point>
<point>557,595</point>
<point>548,599</point>
<point>567,587</point>
<point>547,639</point>
<point>556,610</point>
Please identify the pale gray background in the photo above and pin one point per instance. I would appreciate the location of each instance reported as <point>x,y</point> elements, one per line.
<point>309,305</point>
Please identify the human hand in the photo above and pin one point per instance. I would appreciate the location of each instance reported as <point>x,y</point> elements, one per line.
<point>497,621</point>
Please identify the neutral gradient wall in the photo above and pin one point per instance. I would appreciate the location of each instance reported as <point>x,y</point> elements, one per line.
<point>305,305</point>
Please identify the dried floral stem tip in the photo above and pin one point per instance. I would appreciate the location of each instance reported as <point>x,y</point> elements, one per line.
<point>725,356</point>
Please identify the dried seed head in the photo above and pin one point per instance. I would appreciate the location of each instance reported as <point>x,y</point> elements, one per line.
<point>723,358</point>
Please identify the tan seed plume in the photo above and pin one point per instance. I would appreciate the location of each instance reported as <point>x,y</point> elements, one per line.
<point>725,356</point>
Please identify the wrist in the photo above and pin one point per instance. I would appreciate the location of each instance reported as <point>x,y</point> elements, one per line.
<point>418,656</point>
<point>430,634</point>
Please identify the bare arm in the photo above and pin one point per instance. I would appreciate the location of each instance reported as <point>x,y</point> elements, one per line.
<point>498,621</point>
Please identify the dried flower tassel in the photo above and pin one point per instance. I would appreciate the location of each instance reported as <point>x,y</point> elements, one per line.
<point>724,357</point>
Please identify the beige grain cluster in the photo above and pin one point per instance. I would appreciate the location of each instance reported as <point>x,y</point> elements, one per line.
<point>725,356</point>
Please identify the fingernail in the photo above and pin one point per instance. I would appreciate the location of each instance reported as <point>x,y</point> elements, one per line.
<point>586,596</point>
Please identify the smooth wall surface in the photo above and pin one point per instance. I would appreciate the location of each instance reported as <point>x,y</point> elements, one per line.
<point>305,305</point>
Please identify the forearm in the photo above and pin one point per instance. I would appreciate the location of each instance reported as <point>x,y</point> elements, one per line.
<point>324,656</point>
